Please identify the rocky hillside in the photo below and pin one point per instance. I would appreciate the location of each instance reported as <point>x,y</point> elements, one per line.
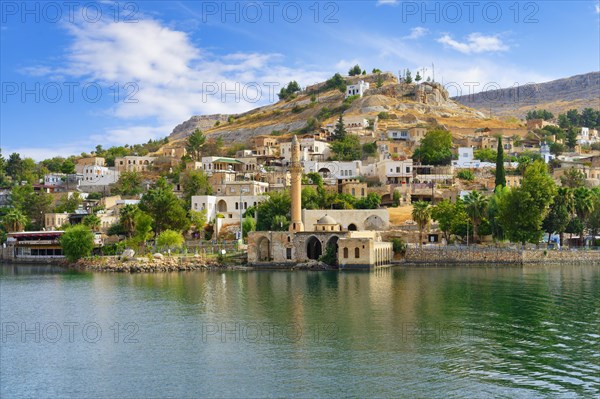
<point>557,96</point>
<point>406,104</point>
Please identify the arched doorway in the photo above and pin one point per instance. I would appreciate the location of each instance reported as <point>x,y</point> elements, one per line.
<point>222,206</point>
<point>352,227</point>
<point>374,222</point>
<point>263,249</point>
<point>313,248</point>
<point>324,172</point>
<point>333,243</point>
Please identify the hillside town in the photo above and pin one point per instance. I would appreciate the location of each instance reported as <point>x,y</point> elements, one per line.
<point>364,170</point>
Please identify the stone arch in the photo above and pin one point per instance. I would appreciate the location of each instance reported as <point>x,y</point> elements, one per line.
<point>374,222</point>
<point>314,249</point>
<point>352,227</point>
<point>333,242</point>
<point>263,249</point>
<point>324,172</point>
<point>222,206</point>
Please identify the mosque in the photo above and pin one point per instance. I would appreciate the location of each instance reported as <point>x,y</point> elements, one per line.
<point>352,234</point>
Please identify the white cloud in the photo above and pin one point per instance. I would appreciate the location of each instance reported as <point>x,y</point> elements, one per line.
<point>387,2</point>
<point>475,43</point>
<point>345,65</point>
<point>416,33</point>
<point>597,8</point>
<point>176,79</point>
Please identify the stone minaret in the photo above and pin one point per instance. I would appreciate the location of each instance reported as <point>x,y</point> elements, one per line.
<point>296,172</point>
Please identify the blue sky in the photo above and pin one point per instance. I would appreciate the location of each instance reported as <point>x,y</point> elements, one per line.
<point>79,74</point>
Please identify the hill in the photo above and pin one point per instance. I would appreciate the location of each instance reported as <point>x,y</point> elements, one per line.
<point>557,96</point>
<point>406,105</point>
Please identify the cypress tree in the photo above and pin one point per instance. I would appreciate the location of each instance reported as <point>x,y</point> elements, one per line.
<point>500,175</point>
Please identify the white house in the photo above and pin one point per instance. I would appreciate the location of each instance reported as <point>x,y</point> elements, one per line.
<point>466,160</point>
<point>229,206</point>
<point>398,134</point>
<point>94,175</point>
<point>334,170</point>
<point>311,150</point>
<point>545,152</point>
<point>357,89</point>
<point>395,172</point>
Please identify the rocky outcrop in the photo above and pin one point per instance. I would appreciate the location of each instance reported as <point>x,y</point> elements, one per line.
<point>556,96</point>
<point>150,264</point>
<point>202,122</point>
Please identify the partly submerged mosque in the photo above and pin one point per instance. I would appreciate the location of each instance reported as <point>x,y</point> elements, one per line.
<point>352,234</point>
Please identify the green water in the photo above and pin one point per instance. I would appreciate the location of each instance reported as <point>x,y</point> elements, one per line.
<point>531,332</point>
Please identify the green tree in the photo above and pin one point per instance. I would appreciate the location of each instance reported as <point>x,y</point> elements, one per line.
<point>407,77</point>
<point>448,215</point>
<point>346,149</point>
<point>164,207</point>
<point>371,201</point>
<point>336,82</point>
<point>540,186</point>
<point>557,148</point>
<point>170,240</point>
<point>198,219</point>
<point>584,206</point>
<point>127,218</point>
<point>572,178</point>
<point>280,223</point>
<point>355,70</point>
<point>476,207</point>
<point>14,220</point>
<point>129,184</point>
<point>195,182</point>
<point>418,77</point>
<point>143,228</point>
<point>571,138</point>
<point>14,167</point>
<point>248,225</point>
<point>500,173</point>
<point>558,217</point>
<point>77,242</point>
<point>421,214</point>
<point>486,155</point>
<point>68,203</point>
<point>194,144</point>
<point>519,217</point>
<point>92,221</point>
<point>278,204</point>
<point>435,148</point>
<point>339,133</point>
<point>68,167</point>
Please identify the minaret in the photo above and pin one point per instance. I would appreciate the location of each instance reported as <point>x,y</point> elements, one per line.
<point>296,172</point>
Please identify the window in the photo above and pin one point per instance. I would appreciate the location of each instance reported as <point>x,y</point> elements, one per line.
<point>356,252</point>
<point>345,253</point>
<point>288,253</point>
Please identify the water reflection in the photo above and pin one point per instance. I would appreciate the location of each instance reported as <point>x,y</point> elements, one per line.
<point>500,331</point>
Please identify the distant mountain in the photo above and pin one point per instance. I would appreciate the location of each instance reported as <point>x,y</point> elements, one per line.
<point>202,122</point>
<point>557,96</point>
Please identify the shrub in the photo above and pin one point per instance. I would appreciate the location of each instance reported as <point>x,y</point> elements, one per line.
<point>466,175</point>
<point>398,246</point>
<point>383,115</point>
<point>77,242</point>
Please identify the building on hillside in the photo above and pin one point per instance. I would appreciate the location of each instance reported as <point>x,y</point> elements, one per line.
<point>533,124</point>
<point>395,172</point>
<point>134,163</point>
<point>99,176</point>
<point>173,152</point>
<point>88,161</point>
<point>311,149</point>
<point>53,221</point>
<point>312,233</point>
<point>215,164</point>
<point>353,187</point>
<point>334,170</point>
<point>357,89</point>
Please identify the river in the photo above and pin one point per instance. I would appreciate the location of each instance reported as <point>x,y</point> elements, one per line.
<point>456,332</point>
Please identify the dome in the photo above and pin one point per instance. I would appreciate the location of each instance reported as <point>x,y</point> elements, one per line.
<point>326,220</point>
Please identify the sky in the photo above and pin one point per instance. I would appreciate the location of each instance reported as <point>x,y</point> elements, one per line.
<point>79,74</point>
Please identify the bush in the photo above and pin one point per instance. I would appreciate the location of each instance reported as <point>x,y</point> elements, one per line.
<point>77,242</point>
<point>170,239</point>
<point>329,257</point>
<point>383,115</point>
<point>466,175</point>
<point>398,246</point>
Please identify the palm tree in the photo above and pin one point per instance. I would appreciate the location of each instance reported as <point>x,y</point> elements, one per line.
<point>14,220</point>
<point>476,206</point>
<point>421,214</point>
<point>584,206</point>
<point>127,218</point>
<point>92,221</point>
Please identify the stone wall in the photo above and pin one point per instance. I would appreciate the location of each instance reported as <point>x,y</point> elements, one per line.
<point>463,255</point>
